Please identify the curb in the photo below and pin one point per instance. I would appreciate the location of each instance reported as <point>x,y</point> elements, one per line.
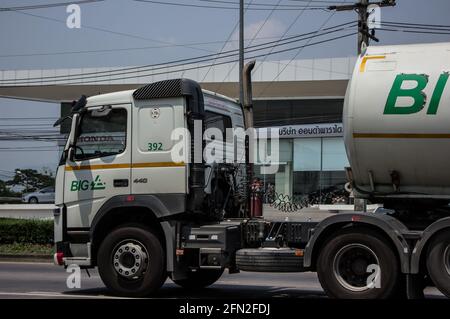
<point>26,258</point>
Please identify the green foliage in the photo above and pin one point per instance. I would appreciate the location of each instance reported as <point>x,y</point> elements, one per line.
<point>26,249</point>
<point>30,231</point>
<point>31,179</point>
<point>5,191</point>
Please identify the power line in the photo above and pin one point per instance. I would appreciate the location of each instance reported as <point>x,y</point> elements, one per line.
<point>180,62</point>
<point>45,6</point>
<point>393,24</point>
<point>140,68</point>
<point>415,32</point>
<point>14,55</point>
<point>224,7</point>
<point>253,38</point>
<point>284,34</point>
<point>225,43</point>
<point>233,61</point>
<point>295,56</point>
<point>361,8</point>
<point>124,49</point>
<point>295,6</point>
<point>108,31</point>
<point>221,63</point>
<point>317,1</point>
<point>418,24</point>
<point>142,74</point>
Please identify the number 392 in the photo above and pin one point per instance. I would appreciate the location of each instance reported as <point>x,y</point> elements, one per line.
<point>154,147</point>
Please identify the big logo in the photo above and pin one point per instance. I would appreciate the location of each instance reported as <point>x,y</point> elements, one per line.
<point>84,185</point>
<point>416,93</point>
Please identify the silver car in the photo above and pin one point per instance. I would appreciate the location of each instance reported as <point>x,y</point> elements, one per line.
<point>45,195</point>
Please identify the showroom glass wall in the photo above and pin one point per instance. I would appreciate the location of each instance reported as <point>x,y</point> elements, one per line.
<point>312,167</point>
<point>312,157</point>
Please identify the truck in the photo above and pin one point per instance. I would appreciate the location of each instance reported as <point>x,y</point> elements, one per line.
<point>126,205</point>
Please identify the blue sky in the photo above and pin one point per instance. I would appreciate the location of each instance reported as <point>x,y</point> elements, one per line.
<point>36,35</point>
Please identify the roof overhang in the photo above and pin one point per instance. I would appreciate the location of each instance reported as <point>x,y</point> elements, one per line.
<point>261,90</point>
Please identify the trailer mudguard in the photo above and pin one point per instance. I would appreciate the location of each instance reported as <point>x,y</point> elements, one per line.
<point>427,234</point>
<point>391,227</point>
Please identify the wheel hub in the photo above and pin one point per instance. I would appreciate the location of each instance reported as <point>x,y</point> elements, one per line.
<point>447,259</point>
<point>350,266</point>
<point>130,259</point>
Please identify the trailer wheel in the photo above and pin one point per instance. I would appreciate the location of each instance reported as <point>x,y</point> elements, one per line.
<point>131,262</point>
<point>438,262</point>
<point>358,265</point>
<point>200,279</point>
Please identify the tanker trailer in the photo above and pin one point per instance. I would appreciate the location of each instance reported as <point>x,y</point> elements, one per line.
<point>397,136</point>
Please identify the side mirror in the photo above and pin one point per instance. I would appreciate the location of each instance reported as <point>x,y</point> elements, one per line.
<point>70,155</point>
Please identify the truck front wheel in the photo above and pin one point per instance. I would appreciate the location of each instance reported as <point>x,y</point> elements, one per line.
<point>131,262</point>
<point>200,279</point>
<point>438,262</point>
<point>358,265</point>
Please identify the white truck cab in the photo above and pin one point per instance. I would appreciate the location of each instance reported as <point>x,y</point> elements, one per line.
<point>124,164</point>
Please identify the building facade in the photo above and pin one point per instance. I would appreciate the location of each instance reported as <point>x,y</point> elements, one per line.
<point>312,157</point>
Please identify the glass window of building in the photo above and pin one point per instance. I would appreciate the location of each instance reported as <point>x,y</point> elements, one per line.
<point>310,167</point>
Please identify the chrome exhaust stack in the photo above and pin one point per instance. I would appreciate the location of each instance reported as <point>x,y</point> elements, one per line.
<point>247,105</point>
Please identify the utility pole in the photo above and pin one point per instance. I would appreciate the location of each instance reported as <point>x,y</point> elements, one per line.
<point>364,34</point>
<point>363,28</point>
<point>241,51</point>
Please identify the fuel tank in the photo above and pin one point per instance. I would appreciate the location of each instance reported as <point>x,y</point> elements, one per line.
<point>397,121</point>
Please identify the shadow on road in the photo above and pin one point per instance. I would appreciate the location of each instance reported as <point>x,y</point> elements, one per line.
<point>217,291</point>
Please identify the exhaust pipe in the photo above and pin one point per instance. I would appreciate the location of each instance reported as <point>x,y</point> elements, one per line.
<point>247,105</point>
<point>248,94</point>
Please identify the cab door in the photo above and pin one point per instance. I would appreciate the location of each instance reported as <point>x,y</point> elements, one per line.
<point>155,170</point>
<point>101,163</point>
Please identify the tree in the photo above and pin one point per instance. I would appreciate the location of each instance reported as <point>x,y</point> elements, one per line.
<point>31,179</point>
<point>5,191</point>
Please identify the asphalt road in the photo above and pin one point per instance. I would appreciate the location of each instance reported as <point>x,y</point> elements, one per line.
<point>43,280</point>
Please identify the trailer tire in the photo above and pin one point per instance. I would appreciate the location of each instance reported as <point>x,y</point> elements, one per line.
<point>269,260</point>
<point>438,262</point>
<point>344,260</point>
<point>131,262</point>
<point>200,279</point>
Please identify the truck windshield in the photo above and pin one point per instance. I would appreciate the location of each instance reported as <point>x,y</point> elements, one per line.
<point>102,136</point>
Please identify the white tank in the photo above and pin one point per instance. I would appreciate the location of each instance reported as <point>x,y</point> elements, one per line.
<point>397,121</point>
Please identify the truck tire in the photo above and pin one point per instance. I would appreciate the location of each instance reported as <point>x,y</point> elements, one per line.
<point>131,262</point>
<point>200,279</point>
<point>343,266</point>
<point>438,262</point>
<point>269,260</point>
